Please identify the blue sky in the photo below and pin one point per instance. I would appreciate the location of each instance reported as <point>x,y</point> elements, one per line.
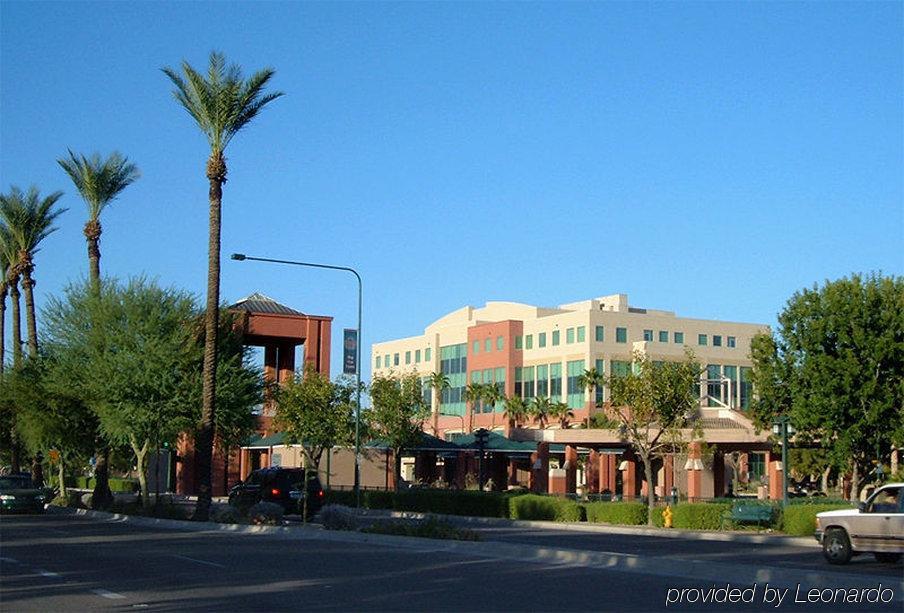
<point>708,158</point>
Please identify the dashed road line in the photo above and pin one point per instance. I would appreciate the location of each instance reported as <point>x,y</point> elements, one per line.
<point>107,594</point>
<point>205,562</point>
<point>46,573</point>
<point>9,560</point>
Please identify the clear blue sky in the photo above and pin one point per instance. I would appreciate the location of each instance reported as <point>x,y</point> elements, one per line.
<point>707,158</point>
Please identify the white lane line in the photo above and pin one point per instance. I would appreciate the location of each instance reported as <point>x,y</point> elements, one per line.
<point>205,562</point>
<point>108,594</point>
<point>46,573</point>
<point>9,560</point>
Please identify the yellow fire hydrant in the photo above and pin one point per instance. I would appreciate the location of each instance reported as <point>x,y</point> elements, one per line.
<point>667,517</point>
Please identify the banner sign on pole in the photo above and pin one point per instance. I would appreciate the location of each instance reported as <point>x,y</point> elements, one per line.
<point>349,351</point>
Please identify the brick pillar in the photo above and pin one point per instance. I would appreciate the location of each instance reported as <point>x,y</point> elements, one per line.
<point>571,469</point>
<point>775,480</point>
<point>558,481</point>
<point>593,472</point>
<point>612,461</point>
<point>286,363</point>
<point>694,468</point>
<point>629,479</point>
<point>540,469</point>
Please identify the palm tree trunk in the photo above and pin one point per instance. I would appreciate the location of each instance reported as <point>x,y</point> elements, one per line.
<point>16,323</point>
<point>3,293</point>
<point>92,236</point>
<point>30,323</point>
<point>216,172</point>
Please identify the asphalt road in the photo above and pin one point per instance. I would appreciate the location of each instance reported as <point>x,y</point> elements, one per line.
<point>68,563</point>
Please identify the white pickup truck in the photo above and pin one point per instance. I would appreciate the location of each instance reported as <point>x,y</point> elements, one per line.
<point>876,526</point>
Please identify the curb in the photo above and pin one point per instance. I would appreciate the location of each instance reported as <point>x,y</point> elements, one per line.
<point>704,572</point>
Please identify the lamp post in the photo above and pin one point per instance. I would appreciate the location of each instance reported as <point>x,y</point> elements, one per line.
<point>782,427</point>
<point>242,257</point>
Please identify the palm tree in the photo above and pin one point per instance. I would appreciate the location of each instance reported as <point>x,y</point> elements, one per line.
<point>516,410</point>
<point>562,412</point>
<point>473,395</point>
<point>9,255</point>
<point>4,290</point>
<point>539,409</point>
<point>438,382</point>
<point>99,182</point>
<point>29,219</point>
<point>491,395</point>
<point>222,103</point>
<point>591,380</point>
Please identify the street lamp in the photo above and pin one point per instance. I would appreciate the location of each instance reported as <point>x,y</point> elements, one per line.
<point>242,257</point>
<point>782,427</point>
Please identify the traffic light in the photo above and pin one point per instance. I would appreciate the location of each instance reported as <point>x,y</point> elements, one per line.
<point>481,437</point>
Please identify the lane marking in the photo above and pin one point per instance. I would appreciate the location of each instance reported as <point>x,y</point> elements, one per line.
<point>108,594</point>
<point>9,560</point>
<point>46,573</point>
<point>205,562</point>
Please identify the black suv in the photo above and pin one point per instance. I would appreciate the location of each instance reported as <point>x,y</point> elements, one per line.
<point>282,486</point>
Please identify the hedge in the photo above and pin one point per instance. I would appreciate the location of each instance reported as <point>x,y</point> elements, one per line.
<point>116,484</point>
<point>446,502</point>
<point>699,515</point>
<point>800,519</point>
<point>549,508</point>
<point>624,513</point>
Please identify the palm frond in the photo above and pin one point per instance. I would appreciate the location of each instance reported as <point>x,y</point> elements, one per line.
<point>28,218</point>
<point>99,181</point>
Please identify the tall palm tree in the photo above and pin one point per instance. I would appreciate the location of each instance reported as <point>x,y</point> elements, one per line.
<point>516,410</point>
<point>9,255</point>
<point>29,218</point>
<point>540,408</point>
<point>99,182</point>
<point>221,103</point>
<point>438,382</point>
<point>591,380</point>
<point>562,412</point>
<point>4,291</point>
<point>491,395</point>
<point>473,395</point>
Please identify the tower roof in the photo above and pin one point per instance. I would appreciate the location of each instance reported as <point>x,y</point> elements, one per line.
<point>258,303</point>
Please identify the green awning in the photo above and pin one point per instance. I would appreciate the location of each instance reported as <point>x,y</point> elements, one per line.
<point>262,442</point>
<point>428,442</point>
<point>495,443</point>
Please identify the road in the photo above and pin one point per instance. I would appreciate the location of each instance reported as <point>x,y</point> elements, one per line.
<point>69,563</point>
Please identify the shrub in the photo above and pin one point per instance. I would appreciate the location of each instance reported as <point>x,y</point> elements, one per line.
<point>429,528</point>
<point>265,513</point>
<point>549,508</point>
<point>338,517</point>
<point>800,520</point>
<point>656,512</point>
<point>699,515</point>
<point>624,513</point>
<point>116,484</point>
<point>228,515</point>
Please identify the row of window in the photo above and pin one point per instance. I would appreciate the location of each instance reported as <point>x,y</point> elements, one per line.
<point>572,335</point>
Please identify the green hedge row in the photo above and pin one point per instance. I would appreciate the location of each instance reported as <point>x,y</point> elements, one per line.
<point>623,513</point>
<point>549,508</point>
<point>699,515</point>
<point>800,520</point>
<point>446,502</point>
<point>116,484</point>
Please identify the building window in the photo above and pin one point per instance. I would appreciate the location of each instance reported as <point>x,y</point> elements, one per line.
<point>620,369</point>
<point>528,382</point>
<point>717,340</point>
<point>407,357</point>
<point>732,342</point>
<point>569,336</point>
<point>555,382</point>
<point>714,386</point>
<point>663,336</point>
<point>756,465</point>
<point>386,360</point>
<point>427,392</point>
<point>427,354</point>
<point>519,376</point>
<point>454,364</point>
<point>519,343</point>
<point>575,391</point>
<point>529,341</point>
<point>599,334</point>
<point>488,345</point>
<point>475,347</point>
<point>417,356</point>
<point>621,335</point>
<point>601,369</point>
<point>648,335</point>
<point>679,338</point>
<point>543,380</point>
<point>581,334</point>
<point>378,361</point>
<point>701,340</point>
<point>541,340</point>
<point>395,359</point>
<point>731,373</point>
<point>500,343</point>
<point>556,336</point>
<point>746,387</point>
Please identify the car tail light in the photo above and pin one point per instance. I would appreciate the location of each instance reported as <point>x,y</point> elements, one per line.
<point>320,494</point>
<point>275,491</point>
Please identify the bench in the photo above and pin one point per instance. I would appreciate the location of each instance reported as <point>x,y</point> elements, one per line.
<point>744,512</point>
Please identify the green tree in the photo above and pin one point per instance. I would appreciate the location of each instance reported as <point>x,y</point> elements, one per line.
<point>591,380</point>
<point>473,395</point>
<point>4,291</point>
<point>654,404</point>
<point>540,408</point>
<point>134,346</point>
<point>516,411</point>
<point>438,382</point>
<point>561,412</point>
<point>397,414</point>
<point>836,367</point>
<point>490,396</point>
<point>221,104</point>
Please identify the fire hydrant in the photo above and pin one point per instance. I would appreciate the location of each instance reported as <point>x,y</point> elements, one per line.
<point>667,517</point>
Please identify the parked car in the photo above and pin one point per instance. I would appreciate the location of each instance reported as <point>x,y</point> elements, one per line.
<point>876,526</point>
<point>18,495</point>
<point>283,486</point>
